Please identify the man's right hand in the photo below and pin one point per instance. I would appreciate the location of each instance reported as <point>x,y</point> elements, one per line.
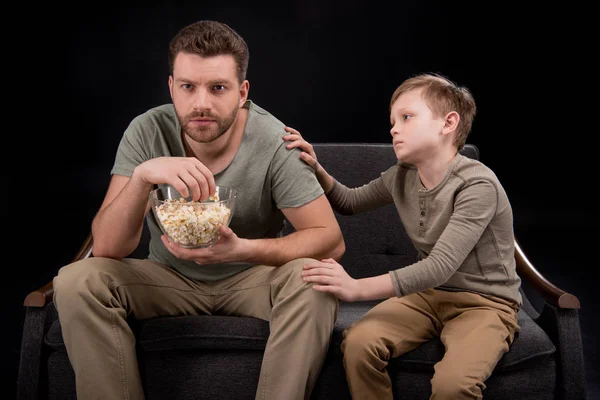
<point>186,174</point>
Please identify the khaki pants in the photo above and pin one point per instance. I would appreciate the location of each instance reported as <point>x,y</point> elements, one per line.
<point>475,330</point>
<point>95,296</point>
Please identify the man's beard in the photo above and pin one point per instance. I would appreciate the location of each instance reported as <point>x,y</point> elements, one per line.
<point>209,133</point>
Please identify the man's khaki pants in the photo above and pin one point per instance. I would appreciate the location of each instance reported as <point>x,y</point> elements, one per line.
<point>475,330</point>
<point>95,296</point>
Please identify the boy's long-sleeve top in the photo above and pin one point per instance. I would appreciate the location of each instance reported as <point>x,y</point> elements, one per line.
<point>462,228</point>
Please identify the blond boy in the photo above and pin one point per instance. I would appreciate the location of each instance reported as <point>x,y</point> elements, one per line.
<point>464,289</point>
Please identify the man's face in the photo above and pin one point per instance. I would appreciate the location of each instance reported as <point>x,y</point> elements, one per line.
<point>206,95</point>
<point>416,131</point>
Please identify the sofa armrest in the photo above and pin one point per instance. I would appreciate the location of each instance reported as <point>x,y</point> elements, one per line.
<point>563,327</point>
<point>547,290</point>
<point>42,296</point>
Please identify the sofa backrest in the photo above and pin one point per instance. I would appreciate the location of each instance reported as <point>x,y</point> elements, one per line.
<point>375,241</point>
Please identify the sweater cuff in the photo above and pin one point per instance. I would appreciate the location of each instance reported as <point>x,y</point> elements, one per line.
<point>396,283</point>
<point>332,188</point>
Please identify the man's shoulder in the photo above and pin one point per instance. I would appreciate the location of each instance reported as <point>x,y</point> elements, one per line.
<point>161,119</point>
<point>163,109</point>
<point>263,120</point>
<point>264,130</point>
<point>163,112</point>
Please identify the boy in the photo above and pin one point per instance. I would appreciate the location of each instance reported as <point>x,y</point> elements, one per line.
<point>464,289</point>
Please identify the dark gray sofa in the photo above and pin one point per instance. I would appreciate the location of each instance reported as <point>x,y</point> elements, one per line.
<point>219,357</point>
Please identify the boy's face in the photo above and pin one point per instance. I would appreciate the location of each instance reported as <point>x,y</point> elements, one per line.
<point>206,95</point>
<point>416,132</point>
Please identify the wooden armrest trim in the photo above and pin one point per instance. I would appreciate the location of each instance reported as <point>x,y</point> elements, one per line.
<point>85,250</point>
<point>549,291</point>
<point>40,297</point>
<point>43,296</point>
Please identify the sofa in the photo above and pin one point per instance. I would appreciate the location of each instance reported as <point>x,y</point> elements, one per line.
<point>219,357</point>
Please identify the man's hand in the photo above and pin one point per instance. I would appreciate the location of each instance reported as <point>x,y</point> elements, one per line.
<point>330,277</point>
<point>229,248</point>
<point>186,174</point>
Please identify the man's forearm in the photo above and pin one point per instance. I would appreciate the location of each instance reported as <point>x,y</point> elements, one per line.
<point>317,243</point>
<point>117,227</point>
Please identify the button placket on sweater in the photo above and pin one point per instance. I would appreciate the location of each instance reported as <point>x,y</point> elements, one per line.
<point>422,214</point>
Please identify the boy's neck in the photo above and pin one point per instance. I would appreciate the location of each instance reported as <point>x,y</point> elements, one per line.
<point>432,171</point>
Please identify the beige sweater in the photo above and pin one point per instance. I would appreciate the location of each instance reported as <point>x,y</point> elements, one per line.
<point>462,228</point>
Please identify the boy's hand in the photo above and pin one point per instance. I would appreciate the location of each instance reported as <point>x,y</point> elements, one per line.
<point>308,154</point>
<point>330,277</point>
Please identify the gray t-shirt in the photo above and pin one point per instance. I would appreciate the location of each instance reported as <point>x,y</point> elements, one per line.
<point>267,176</point>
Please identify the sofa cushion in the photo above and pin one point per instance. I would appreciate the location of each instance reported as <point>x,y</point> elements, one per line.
<point>531,344</point>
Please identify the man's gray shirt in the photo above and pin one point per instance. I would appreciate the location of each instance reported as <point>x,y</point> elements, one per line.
<point>268,177</point>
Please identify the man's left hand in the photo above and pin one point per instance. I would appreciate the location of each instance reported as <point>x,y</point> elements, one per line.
<point>229,248</point>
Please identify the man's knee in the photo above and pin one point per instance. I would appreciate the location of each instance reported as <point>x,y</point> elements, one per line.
<point>290,274</point>
<point>319,302</point>
<point>296,266</point>
<point>84,278</point>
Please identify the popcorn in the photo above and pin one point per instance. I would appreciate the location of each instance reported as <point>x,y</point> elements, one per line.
<point>192,223</point>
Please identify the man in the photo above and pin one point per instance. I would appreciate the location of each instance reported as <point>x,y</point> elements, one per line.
<point>211,134</point>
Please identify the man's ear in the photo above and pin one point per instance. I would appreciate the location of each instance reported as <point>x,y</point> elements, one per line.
<point>450,122</point>
<point>171,86</point>
<point>244,88</point>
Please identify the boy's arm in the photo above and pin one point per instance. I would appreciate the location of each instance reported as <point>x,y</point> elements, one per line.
<point>375,288</point>
<point>309,156</point>
<point>474,208</point>
<point>344,200</point>
<point>350,201</point>
<point>329,276</point>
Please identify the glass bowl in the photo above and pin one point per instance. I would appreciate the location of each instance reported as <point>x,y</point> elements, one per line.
<point>192,224</point>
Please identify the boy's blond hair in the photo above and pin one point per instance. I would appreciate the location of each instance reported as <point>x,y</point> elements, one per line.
<point>443,96</point>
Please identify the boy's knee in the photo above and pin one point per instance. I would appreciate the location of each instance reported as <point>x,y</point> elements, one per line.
<point>361,342</point>
<point>450,383</point>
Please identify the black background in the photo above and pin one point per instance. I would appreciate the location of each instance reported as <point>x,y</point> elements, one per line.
<point>75,77</point>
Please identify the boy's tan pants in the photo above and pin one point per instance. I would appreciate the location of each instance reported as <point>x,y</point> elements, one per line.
<point>475,330</point>
<point>95,296</point>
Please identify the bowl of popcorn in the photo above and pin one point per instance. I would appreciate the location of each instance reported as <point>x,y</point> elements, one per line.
<point>190,223</point>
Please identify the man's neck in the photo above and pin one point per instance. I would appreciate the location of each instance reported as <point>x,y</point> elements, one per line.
<point>218,154</point>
